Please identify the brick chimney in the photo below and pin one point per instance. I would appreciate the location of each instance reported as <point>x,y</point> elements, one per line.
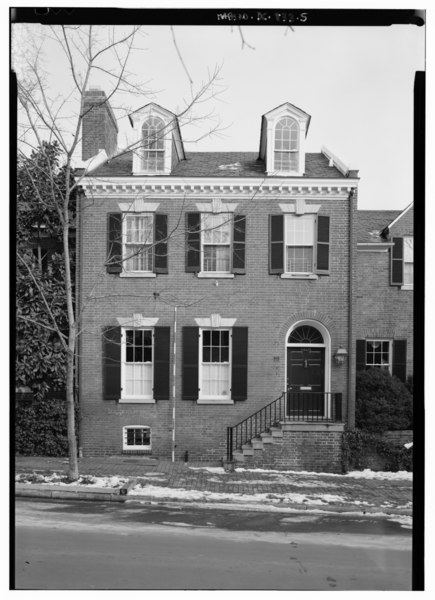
<point>99,128</point>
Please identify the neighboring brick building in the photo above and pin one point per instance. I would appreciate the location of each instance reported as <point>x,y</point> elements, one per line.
<point>211,282</point>
<point>384,290</point>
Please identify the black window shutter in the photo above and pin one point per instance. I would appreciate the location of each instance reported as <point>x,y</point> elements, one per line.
<point>322,245</point>
<point>114,243</point>
<point>193,242</point>
<point>111,363</point>
<point>399,359</point>
<point>161,362</point>
<point>190,363</point>
<point>276,250</point>
<point>239,242</point>
<point>160,243</point>
<point>397,262</point>
<point>239,369</point>
<point>360,355</point>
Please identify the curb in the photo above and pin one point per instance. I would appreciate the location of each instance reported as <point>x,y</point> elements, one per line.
<point>24,490</point>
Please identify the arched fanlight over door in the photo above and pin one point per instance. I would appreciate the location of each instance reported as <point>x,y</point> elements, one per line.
<point>305,334</point>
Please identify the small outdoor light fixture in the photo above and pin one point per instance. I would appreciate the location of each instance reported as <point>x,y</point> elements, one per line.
<point>340,356</point>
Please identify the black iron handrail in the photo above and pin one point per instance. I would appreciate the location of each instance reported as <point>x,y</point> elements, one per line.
<point>292,406</point>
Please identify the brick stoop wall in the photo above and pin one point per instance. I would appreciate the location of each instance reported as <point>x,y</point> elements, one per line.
<point>302,447</point>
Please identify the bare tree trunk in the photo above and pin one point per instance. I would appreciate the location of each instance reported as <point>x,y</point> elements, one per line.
<point>73,470</point>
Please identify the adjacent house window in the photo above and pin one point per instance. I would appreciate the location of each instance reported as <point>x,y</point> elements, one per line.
<point>137,364</point>
<point>136,438</point>
<point>378,354</point>
<point>138,243</point>
<point>216,242</point>
<point>299,244</point>
<point>381,353</point>
<point>286,149</point>
<point>408,261</point>
<point>215,370</point>
<point>153,157</point>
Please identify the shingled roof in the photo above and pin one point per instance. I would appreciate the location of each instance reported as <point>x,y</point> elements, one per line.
<point>369,224</point>
<point>222,164</point>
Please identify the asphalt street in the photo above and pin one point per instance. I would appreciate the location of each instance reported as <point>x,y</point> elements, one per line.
<point>92,545</point>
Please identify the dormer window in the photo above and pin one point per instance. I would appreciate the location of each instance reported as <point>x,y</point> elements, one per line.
<point>158,146</point>
<point>153,158</point>
<point>282,142</point>
<point>286,148</point>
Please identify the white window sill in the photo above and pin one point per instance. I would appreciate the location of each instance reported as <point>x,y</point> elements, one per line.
<point>137,274</point>
<point>149,173</point>
<point>298,276</point>
<point>212,275</point>
<point>137,449</point>
<point>407,286</point>
<point>215,401</point>
<point>131,400</point>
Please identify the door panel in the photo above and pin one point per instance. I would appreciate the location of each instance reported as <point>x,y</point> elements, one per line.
<point>306,380</point>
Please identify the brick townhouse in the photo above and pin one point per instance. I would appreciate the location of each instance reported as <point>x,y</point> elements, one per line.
<point>384,291</point>
<point>217,291</point>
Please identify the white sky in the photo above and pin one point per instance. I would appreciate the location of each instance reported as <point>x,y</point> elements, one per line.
<point>355,82</point>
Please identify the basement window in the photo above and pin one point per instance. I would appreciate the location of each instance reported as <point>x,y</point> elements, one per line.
<point>136,437</point>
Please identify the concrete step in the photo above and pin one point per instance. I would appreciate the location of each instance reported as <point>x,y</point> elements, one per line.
<point>276,432</point>
<point>238,456</point>
<point>257,444</point>
<point>248,450</point>
<point>266,438</point>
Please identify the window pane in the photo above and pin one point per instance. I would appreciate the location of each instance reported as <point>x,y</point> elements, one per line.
<point>216,228</point>
<point>408,274</point>
<point>225,354</point>
<point>206,353</point>
<point>147,354</point>
<point>217,258</point>
<point>216,380</point>
<point>215,354</point>
<point>206,337</point>
<point>408,249</point>
<point>225,338</point>
<point>299,259</point>
<point>378,353</point>
<point>215,338</point>
<point>138,258</point>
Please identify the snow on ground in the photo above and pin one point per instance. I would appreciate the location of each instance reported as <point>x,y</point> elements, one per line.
<point>209,469</point>
<point>366,474</point>
<point>183,494</point>
<point>88,480</point>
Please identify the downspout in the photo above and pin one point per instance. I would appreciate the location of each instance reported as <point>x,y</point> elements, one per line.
<point>350,391</point>
<point>174,371</point>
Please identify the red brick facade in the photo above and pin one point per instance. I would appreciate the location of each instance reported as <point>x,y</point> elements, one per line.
<point>341,303</point>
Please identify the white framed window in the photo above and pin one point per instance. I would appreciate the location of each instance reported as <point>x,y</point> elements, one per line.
<point>137,247</point>
<point>286,145</point>
<point>408,261</point>
<point>379,354</point>
<point>153,154</point>
<point>216,242</point>
<point>215,364</point>
<point>136,437</point>
<point>137,352</point>
<point>299,243</point>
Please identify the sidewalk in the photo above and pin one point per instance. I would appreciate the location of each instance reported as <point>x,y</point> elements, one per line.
<point>148,479</point>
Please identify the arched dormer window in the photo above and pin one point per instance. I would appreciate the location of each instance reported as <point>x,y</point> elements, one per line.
<point>286,148</point>
<point>153,132</point>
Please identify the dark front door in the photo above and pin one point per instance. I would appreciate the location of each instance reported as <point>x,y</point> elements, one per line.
<point>306,381</point>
